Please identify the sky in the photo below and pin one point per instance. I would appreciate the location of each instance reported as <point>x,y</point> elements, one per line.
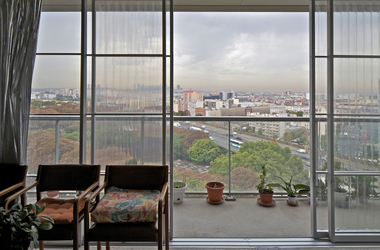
<point>213,51</point>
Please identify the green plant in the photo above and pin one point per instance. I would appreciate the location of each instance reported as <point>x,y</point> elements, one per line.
<point>262,187</point>
<point>19,226</point>
<point>291,189</point>
<point>364,186</point>
<point>215,186</point>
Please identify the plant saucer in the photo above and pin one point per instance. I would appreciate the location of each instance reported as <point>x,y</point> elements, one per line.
<point>214,202</point>
<point>273,202</point>
<point>293,205</point>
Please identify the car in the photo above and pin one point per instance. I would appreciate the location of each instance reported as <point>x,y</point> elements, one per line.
<point>234,133</point>
<point>211,138</point>
<point>206,131</point>
<point>239,138</point>
<point>308,163</point>
<point>302,151</point>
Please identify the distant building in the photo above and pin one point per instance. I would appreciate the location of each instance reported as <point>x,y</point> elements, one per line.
<point>223,96</point>
<point>202,111</point>
<point>212,97</point>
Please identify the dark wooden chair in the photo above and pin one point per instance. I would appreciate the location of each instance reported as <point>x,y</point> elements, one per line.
<point>135,177</point>
<point>12,180</point>
<point>66,213</point>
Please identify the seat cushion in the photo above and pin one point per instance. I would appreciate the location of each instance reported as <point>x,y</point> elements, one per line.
<point>60,210</point>
<point>127,205</point>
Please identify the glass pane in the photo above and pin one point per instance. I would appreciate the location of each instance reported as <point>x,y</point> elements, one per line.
<point>282,147</point>
<point>217,52</point>
<point>356,83</point>
<point>68,142</point>
<point>196,146</point>
<point>356,203</point>
<point>322,145</point>
<point>321,27</point>
<point>321,200</point>
<point>126,140</point>
<point>321,85</point>
<point>59,32</point>
<point>55,85</point>
<point>356,27</point>
<point>129,84</point>
<point>41,144</point>
<point>128,27</point>
<point>356,144</point>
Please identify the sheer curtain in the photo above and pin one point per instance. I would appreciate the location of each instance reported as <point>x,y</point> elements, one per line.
<point>128,84</point>
<point>19,21</point>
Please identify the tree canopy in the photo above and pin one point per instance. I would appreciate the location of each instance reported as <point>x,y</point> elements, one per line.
<point>278,161</point>
<point>203,151</point>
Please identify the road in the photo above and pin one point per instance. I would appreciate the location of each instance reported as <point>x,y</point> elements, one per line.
<point>220,136</point>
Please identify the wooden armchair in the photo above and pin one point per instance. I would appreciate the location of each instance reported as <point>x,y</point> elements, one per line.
<point>66,213</point>
<point>126,184</point>
<point>12,180</point>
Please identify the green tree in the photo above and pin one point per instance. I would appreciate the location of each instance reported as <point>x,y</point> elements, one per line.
<point>278,161</point>
<point>296,133</point>
<point>299,113</point>
<point>260,132</point>
<point>203,151</point>
<point>179,113</point>
<point>198,115</point>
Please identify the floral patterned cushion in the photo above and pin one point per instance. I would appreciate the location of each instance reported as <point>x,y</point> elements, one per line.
<point>127,205</point>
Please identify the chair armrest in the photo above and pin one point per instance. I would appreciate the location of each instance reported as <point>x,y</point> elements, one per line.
<point>22,191</point>
<point>92,196</point>
<point>11,188</point>
<point>164,191</point>
<point>82,196</point>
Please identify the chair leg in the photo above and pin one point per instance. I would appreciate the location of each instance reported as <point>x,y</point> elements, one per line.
<point>75,240</point>
<point>99,245</point>
<point>160,242</point>
<point>166,231</point>
<point>166,210</point>
<point>108,245</point>
<point>41,244</point>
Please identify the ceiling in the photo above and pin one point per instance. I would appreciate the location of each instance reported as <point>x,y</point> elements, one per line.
<point>199,5</point>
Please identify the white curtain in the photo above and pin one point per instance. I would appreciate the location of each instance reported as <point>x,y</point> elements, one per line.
<point>19,21</point>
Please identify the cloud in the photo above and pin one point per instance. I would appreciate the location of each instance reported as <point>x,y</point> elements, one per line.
<point>250,51</point>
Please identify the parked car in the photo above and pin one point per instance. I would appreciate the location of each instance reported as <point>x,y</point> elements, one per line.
<point>239,138</point>
<point>211,138</point>
<point>302,151</point>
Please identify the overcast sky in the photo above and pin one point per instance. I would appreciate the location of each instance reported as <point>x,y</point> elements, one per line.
<point>213,51</point>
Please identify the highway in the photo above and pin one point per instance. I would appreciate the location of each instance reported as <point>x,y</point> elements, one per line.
<point>220,136</point>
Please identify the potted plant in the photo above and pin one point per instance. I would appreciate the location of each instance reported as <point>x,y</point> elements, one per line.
<point>292,190</point>
<point>265,192</point>
<point>215,192</point>
<point>19,226</point>
<point>364,188</point>
<point>179,188</point>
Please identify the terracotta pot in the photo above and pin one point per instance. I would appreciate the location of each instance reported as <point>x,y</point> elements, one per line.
<point>53,194</point>
<point>266,198</point>
<point>215,194</point>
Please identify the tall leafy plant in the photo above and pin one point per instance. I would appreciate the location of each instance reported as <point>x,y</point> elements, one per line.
<point>291,189</point>
<point>262,187</point>
<point>19,226</point>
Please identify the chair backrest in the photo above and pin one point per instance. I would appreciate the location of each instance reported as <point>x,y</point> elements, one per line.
<point>11,174</point>
<point>66,177</point>
<point>136,176</point>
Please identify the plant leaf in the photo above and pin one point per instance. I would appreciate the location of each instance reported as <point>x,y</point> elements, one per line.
<point>47,218</point>
<point>45,226</point>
